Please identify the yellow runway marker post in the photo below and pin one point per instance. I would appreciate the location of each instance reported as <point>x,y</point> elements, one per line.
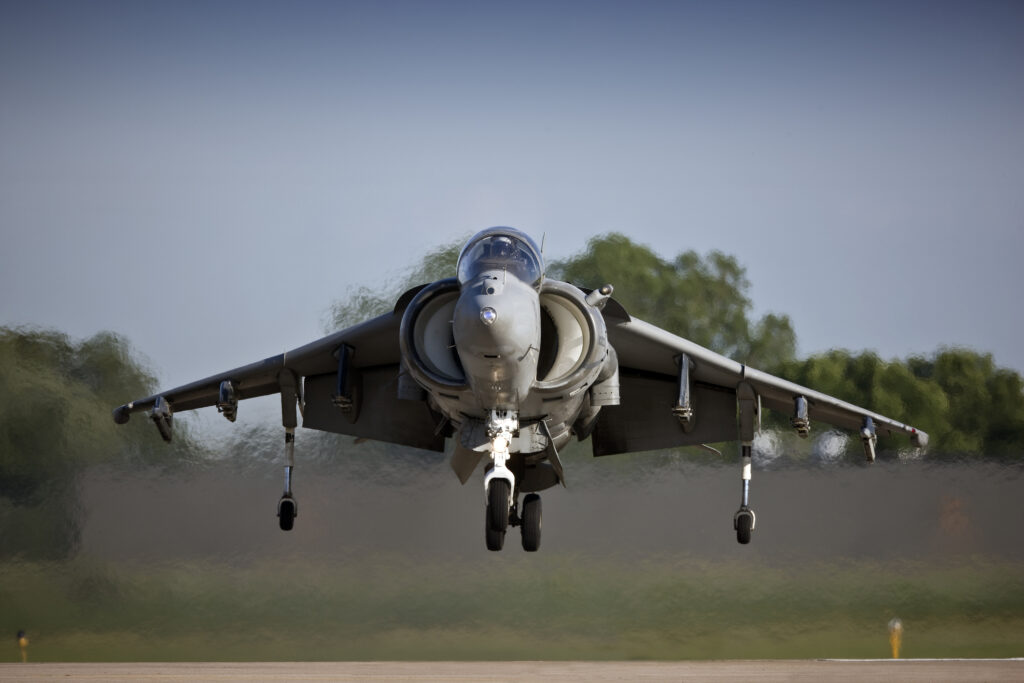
<point>895,636</point>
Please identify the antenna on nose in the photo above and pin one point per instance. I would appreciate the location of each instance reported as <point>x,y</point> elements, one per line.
<point>543,238</point>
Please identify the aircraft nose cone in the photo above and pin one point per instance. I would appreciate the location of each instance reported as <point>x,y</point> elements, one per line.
<point>497,336</point>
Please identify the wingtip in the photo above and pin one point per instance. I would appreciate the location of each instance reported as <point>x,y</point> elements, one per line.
<point>122,414</point>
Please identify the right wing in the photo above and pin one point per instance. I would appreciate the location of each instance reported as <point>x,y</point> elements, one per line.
<point>649,374</point>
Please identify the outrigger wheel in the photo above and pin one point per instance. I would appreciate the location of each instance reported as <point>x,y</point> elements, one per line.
<point>743,522</point>
<point>287,509</point>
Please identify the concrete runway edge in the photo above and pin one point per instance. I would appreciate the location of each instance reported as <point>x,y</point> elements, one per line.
<point>717,671</point>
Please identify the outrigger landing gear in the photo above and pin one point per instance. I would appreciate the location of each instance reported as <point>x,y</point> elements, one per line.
<point>749,422</point>
<point>743,521</point>
<point>287,508</point>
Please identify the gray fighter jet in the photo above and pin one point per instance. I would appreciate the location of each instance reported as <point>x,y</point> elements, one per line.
<point>511,365</point>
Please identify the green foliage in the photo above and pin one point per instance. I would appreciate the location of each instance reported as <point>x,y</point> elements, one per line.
<point>964,402</point>
<point>986,403</point>
<point>55,401</point>
<point>703,299</point>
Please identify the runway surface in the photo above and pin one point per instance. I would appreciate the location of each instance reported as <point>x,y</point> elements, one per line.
<point>721,671</point>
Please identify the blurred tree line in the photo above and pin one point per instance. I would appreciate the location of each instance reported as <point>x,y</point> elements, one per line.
<point>55,401</point>
<point>56,394</point>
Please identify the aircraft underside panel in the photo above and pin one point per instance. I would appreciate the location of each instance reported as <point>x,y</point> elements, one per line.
<point>644,421</point>
<point>381,416</point>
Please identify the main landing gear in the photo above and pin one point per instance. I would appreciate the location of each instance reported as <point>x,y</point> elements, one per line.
<point>528,520</point>
<point>501,492</point>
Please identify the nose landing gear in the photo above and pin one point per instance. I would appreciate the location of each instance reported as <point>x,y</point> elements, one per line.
<point>499,483</point>
<point>502,491</point>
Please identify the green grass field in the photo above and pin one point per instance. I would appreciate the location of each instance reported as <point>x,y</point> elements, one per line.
<point>539,607</point>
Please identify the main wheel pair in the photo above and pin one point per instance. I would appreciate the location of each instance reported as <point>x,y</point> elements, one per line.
<point>499,512</point>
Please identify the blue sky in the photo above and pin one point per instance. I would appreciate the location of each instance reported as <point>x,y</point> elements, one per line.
<point>206,178</point>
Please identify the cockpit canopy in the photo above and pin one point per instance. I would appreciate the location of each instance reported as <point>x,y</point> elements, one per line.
<point>501,249</point>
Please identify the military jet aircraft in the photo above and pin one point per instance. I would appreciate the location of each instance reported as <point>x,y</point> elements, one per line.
<point>511,365</point>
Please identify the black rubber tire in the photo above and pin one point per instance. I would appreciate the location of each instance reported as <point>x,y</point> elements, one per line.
<point>286,514</point>
<point>495,539</point>
<point>744,527</point>
<point>531,523</point>
<point>497,505</point>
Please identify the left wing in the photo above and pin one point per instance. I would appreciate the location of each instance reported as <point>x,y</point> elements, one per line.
<point>656,392</point>
<point>350,378</point>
